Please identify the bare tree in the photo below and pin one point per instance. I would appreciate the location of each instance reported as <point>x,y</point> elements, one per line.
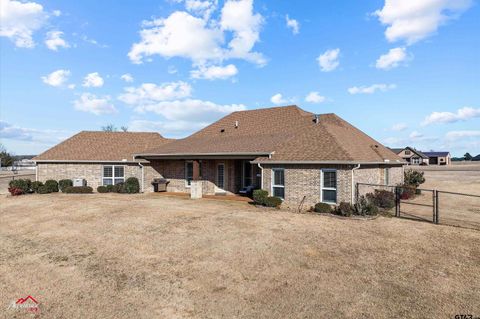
<point>109,128</point>
<point>124,128</point>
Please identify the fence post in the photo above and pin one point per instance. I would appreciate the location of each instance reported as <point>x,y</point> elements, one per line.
<point>397,202</point>
<point>436,207</point>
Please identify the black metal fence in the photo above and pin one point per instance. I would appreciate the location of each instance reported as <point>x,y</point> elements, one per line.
<point>430,205</point>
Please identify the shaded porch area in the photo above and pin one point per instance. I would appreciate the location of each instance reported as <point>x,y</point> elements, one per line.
<point>234,197</point>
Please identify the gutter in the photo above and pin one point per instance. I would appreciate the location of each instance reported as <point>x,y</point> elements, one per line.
<point>353,181</point>
<point>83,161</point>
<point>329,162</point>
<point>256,154</point>
<point>143,175</point>
<point>261,176</point>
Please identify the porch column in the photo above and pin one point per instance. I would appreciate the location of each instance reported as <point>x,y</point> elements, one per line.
<point>196,170</point>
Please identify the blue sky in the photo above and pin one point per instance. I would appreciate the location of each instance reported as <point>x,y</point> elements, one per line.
<point>406,73</point>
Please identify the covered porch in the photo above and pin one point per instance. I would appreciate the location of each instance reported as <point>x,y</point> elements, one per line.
<point>218,175</point>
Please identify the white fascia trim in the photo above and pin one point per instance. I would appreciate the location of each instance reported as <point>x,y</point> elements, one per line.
<point>328,162</point>
<point>83,161</point>
<point>206,154</point>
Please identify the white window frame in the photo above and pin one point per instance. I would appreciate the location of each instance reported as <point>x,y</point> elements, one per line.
<point>113,178</point>
<point>272,180</point>
<point>322,188</point>
<point>186,177</point>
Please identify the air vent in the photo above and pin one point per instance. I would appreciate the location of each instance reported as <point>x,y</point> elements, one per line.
<point>222,130</point>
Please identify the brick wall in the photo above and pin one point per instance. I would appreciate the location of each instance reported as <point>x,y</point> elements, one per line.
<point>91,172</point>
<point>305,180</point>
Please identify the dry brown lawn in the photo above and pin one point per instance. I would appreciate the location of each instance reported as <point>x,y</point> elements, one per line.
<point>152,256</point>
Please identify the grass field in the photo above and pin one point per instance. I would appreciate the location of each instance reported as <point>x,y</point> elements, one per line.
<point>152,256</point>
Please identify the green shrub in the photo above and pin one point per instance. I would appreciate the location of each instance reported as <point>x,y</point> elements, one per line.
<point>413,178</point>
<point>322,208</point>
<point>382,198</point>
<point>51,185</point>
<point>78,190</point>
<point>64,183</point>
<point>119,188</point>
<point>365,207</point>
<point>35,185</point>
<point>42,190</point>
<point>132,185</point>
<point>260,196</point>
<point>344,209</point>
<point>272,201</point>
<point>23,184</point>
<point>110,188</point>
<point>102,189</point>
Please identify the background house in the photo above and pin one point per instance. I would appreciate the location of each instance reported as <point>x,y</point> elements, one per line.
<point>438,158</point>
<point>411,155</point>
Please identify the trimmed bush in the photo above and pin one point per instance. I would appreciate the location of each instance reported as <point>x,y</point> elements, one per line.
<point>51,185</point>
<point>365,207</point>
<point>413,178</point>
<point>260,196</point>
<point>119,188</point>
<point>23,184</point>
<point>344,209</point>
<point>322,208</point>
<point>64,183</point>
<point>272,201</point>
<point>382,198</point>
<point>35,185</point>
<point>15,191</point>
<point>102,189</point>
<point>110,188</point>
<point>43,190</point>
<point>78,190</point>
<point>132,185</point>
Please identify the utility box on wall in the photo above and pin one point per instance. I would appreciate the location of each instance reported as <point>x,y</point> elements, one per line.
<point>79,182</point>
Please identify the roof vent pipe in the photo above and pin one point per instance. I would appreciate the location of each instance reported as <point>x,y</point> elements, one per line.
<point>236,124</point>
<point>316,118</point>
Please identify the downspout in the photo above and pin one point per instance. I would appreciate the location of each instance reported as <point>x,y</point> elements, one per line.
<point>261,175</point>
<point>36,172</point>
<point>143,178</point>
<point>353,182</point>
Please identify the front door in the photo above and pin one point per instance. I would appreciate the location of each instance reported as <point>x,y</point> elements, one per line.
<point>220,185</point>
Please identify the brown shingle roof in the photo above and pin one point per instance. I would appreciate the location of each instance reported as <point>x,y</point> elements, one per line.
<point>102,146</point>
<point>289,133</point>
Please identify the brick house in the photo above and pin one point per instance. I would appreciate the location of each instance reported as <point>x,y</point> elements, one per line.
<point>291,153</point>
<point>411,156</point>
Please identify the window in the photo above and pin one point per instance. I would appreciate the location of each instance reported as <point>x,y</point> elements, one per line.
<point>221,176</point>
<point>188,173</point>
<point>113,174</point>
<point>329,186</point>
<point>278,182</point>
<point>407,152</point>
<point>387,176</point>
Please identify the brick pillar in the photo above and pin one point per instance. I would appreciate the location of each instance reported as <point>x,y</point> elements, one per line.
<point>196,170</point>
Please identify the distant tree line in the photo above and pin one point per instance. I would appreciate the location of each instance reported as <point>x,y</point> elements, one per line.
<point>113,128</point>
<point>466,157</point>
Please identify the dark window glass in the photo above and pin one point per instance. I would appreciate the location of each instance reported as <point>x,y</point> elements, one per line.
<point>330,179</point>
<point>279,192</point>
<point>329,196</point>
<point>108,171</point>
<point>279,177</point>
<point>189,172</point>
<point>119,171</point>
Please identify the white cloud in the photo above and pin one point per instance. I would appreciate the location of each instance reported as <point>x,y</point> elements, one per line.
<point>413,21</point>
<point>202,8</point>
<point>56,78</point>
<point>293,24</point>
<point>57,13</point>
<point>278,99</point>
<point>214,72</point>
<point>201,39</point>
<point>191,110</point>
<point>127,77</point>
<point>19,20</point>
<point>328,61</point>
<point>457,135</point>
<point>416,135</point>
<point>54,40</point>
<point>97,105</point>
<point>392,59</point>
<point>166,128</point>
<point>150,93</point>
<point>399,127</point>
<point>314,97</point>
<point>93,80</point>
<point>371,89</point>
<point>16,133</point>
<point>463,114</point>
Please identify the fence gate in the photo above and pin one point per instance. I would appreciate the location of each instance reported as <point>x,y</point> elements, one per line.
<point>416,204</point>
